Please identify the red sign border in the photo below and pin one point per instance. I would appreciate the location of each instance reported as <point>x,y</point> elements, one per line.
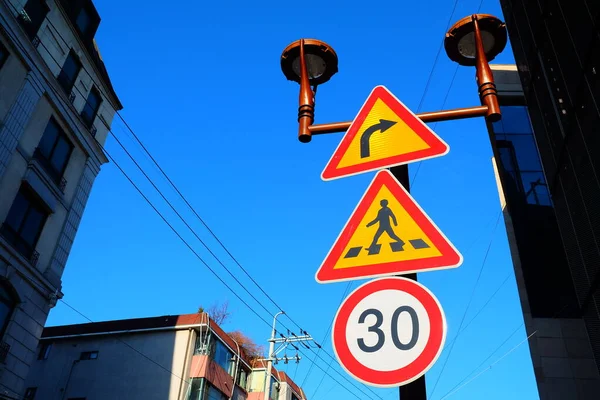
<point>403,375</point>
<point>437,146</point>
<point>449,258</point>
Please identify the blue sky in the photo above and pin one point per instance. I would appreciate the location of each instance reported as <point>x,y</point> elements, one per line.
<point>202,87</point>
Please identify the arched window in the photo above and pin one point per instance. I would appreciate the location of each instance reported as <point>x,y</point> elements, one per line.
<point>8,301</point>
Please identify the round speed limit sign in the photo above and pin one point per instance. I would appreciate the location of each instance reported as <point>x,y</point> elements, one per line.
<point>389,332</point>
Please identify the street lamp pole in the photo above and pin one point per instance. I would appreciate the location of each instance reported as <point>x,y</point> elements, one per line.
<point>473,41</point>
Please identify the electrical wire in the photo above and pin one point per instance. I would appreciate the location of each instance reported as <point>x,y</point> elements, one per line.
<point>183,198</point>
<point>184,241</point>
<point>327,334</point>
<point>497,348</point>
<point>414,178</point>
<point>339,383</point>
<point>487,252</point>
<point>435,61</point>
<point>488,368</point>
<point>197,215</point>
<point>176,189</point>
<point>478,312</point>
<point>155,162</point>
<point>343,375</point>
<point>180,237</point>
<point>128,345</point>
<point>487,358</point>
<point>14,40</point>
<point>188,225</point>
<point>449,88</point>
<point>165,199</point>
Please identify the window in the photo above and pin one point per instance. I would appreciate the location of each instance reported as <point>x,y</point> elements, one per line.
<point>519,155</point>
<point>242,378</point>
<point>44,350</point>
<point>91,107</point>
<point>294,397</point>
<point>202,343</point>
<point>223,356</point>
<point>89,355</point>
<point>54,150</point>
<point>3,55</point>
<point>24,222</point>
<point>7,304</point>
<point>195,389</point>
<point>201,389</point>
<point>30,393</point>
<point>274,388</point>
<point>213,393</point>
<point>33,16</point>
<point>68,73</point>
<point>83,21</point>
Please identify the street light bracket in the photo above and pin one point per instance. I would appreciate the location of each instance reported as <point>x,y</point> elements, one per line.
<point>473,41</point>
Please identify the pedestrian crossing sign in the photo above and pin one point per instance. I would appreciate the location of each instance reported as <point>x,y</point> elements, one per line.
<point>384,133</point>
<point>387,234</point>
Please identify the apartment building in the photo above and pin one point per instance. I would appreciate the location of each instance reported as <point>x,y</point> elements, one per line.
<point>56,107</point>
<point>175,357</point>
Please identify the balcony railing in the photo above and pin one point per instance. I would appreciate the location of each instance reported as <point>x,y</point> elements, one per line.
<point>62,185</point>
<point>24,17</point>
<point>60,181</point>
<point>4,350</point>
<point>35,256</point>
<point>19,244</point>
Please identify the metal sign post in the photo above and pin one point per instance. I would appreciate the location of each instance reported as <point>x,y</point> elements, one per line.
<point>377,139</point>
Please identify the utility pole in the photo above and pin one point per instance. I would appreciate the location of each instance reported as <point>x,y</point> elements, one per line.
<point>283,342</point>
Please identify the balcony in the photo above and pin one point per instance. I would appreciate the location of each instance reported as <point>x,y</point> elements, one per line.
<point>4,350</point>
<point>32,16</point>
<point>20,245</point>
<point>56,176</point>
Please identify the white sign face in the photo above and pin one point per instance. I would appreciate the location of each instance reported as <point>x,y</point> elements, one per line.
<point>389,332</point>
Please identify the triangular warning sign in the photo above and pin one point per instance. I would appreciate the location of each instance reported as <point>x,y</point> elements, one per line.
<point>383,134</point>
<point>387,234</point>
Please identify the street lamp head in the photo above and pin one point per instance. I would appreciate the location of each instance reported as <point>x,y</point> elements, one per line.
<point>460,40</point>
<point>321,61</point>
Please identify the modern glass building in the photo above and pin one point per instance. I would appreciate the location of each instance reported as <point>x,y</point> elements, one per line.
<point>563,357</point>
<point>556,44</point>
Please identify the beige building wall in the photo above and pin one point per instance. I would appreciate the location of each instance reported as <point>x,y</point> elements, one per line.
<point>29,96</point>
<point>119,371</point>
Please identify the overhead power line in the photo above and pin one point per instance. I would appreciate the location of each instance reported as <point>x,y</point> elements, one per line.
<point>327,333</point>
<point>165,220</point>
<point>454,390</point>
<point>462,320</point>
<point>449,87</point>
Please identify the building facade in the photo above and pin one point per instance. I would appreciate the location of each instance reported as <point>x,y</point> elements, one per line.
<point>181,357</point>
<point>556,44</point>
<point>560,345</point>
<point>56,106</point>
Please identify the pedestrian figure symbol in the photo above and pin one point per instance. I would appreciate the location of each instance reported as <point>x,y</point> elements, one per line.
<point>386,221</point>
<point>385,216</point>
